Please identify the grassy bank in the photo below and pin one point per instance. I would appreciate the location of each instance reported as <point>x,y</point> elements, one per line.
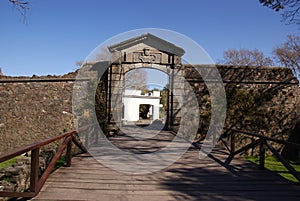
<point>272,164</point>
<point>8,163</point>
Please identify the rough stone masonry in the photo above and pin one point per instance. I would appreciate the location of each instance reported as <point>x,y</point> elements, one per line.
<point>31,111</point>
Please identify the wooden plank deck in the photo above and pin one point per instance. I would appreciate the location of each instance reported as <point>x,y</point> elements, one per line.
<point>187,179</point>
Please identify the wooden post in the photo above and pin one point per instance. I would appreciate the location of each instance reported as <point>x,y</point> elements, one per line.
<point>34,176</point>
<point>262,151</point>
<point>252,150</point>
<point>232,143</point>
<point>69,153</point>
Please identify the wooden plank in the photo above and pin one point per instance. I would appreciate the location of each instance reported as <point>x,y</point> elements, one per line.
<point>47,196</point>
<point>187,179</point>
<point>215,180</point>
<point>176,186</point>
<point>94,193</point>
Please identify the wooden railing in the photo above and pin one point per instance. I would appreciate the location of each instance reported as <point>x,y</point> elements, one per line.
<point>37,183</point>
<point>264,143</point>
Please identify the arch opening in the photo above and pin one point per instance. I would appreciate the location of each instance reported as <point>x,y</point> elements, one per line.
<point>145,97</point>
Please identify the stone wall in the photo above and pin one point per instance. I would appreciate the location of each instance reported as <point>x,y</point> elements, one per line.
<point>33,110</point>
<point>259,99</point>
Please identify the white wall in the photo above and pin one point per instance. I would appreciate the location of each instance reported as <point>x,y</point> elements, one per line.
<point>132,100</point>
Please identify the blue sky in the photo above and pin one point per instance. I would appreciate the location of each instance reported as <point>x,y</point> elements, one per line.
<point>57,33</point>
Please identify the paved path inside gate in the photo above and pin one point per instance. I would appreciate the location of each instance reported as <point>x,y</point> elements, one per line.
<point>189,178</point>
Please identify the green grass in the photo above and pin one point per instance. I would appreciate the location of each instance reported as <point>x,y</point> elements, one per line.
<point>272,164</point>
<point>60,162</point>
<point>5,164</point>
<point>5,178</point>
<point>8,163</point>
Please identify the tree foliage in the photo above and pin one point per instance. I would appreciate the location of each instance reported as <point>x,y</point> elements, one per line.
<point>290,9</point>
<point>288,54</point>
<point>164,96</point>
<point>245,57</point>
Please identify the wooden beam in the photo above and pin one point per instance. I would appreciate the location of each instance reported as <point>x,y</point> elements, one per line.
<point>17,194</point>
<point>79,144</point>
<point>251,145</point>
<point>264,137</point>
<point>53,161</point>
<point>284,162</point>
<point>33,146</point>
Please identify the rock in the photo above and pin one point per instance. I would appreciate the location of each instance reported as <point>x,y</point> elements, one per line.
<point>23,160</point>
<point>15,179</point>
<point>6,186</point>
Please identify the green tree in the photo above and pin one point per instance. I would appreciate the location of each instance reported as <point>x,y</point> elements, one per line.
<point>164,96</point>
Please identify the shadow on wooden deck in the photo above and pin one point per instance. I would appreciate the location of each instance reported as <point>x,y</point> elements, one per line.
<point>189,178</point>
<point>213,180</point>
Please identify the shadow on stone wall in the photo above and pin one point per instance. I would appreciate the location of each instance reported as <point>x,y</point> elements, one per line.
<point>259,99</point>
<point>290,152</point>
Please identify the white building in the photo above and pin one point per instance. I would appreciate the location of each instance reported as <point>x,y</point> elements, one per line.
<point>133,99</point>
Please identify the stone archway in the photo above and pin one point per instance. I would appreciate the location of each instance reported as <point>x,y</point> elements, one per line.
<point>145,51</point>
